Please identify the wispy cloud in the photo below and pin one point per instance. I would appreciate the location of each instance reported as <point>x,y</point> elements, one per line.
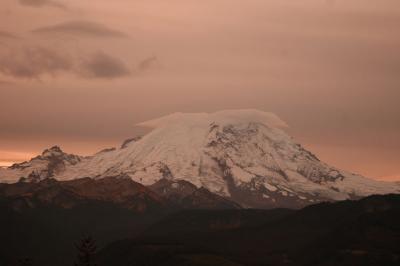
<point>42,3</point>
<point>36,62</point>
<point>81,28</point>
<point>33,62</point>
<point>147,63</point>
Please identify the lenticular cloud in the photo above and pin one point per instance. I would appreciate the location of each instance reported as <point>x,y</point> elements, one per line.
<point>220,117</point>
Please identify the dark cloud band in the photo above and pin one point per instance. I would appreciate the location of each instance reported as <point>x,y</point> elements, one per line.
<point>81,28</point>
<point>7,35</point>
<point>101,65</point>
<point>42,3</point>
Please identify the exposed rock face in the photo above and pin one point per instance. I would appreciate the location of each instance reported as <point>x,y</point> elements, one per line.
<point>202,198</point>
<point>187,196</point>
<point>173,190</point>
<point>106,150</point>
<point>128,141</point>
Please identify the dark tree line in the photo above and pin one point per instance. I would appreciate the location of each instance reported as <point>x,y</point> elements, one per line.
<point>86,249</point>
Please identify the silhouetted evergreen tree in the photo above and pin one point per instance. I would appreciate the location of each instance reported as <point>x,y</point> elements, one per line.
<point>86,252</point>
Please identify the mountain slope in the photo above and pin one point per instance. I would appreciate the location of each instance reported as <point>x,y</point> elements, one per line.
<point>120,191</point>
<point>363,232</point>
<point>242,155</point>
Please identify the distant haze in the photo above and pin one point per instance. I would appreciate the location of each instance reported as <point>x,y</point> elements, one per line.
<point>81,74</point>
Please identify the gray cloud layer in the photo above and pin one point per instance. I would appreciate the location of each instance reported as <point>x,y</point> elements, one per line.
<point>35,62</point>
<point>81,28</point>
<point>102,65</point>
<point>41,3</point>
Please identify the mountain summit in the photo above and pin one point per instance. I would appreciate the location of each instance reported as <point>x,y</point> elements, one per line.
<point>242,155</point>
<point>50,163</point>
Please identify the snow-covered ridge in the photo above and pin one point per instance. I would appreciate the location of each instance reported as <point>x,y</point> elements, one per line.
<point>243,155</point>
<point>50,163</point>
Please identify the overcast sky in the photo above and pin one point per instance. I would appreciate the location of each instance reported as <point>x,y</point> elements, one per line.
<point>81,73</point>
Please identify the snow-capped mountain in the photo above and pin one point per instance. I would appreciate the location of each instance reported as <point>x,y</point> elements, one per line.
<point>50,163</point>
<point>242,155</point>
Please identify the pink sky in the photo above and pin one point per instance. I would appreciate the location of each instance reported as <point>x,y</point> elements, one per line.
<point>80,74</point>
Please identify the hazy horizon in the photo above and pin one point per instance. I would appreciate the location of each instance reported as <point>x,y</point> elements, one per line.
<point>81,75</point>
